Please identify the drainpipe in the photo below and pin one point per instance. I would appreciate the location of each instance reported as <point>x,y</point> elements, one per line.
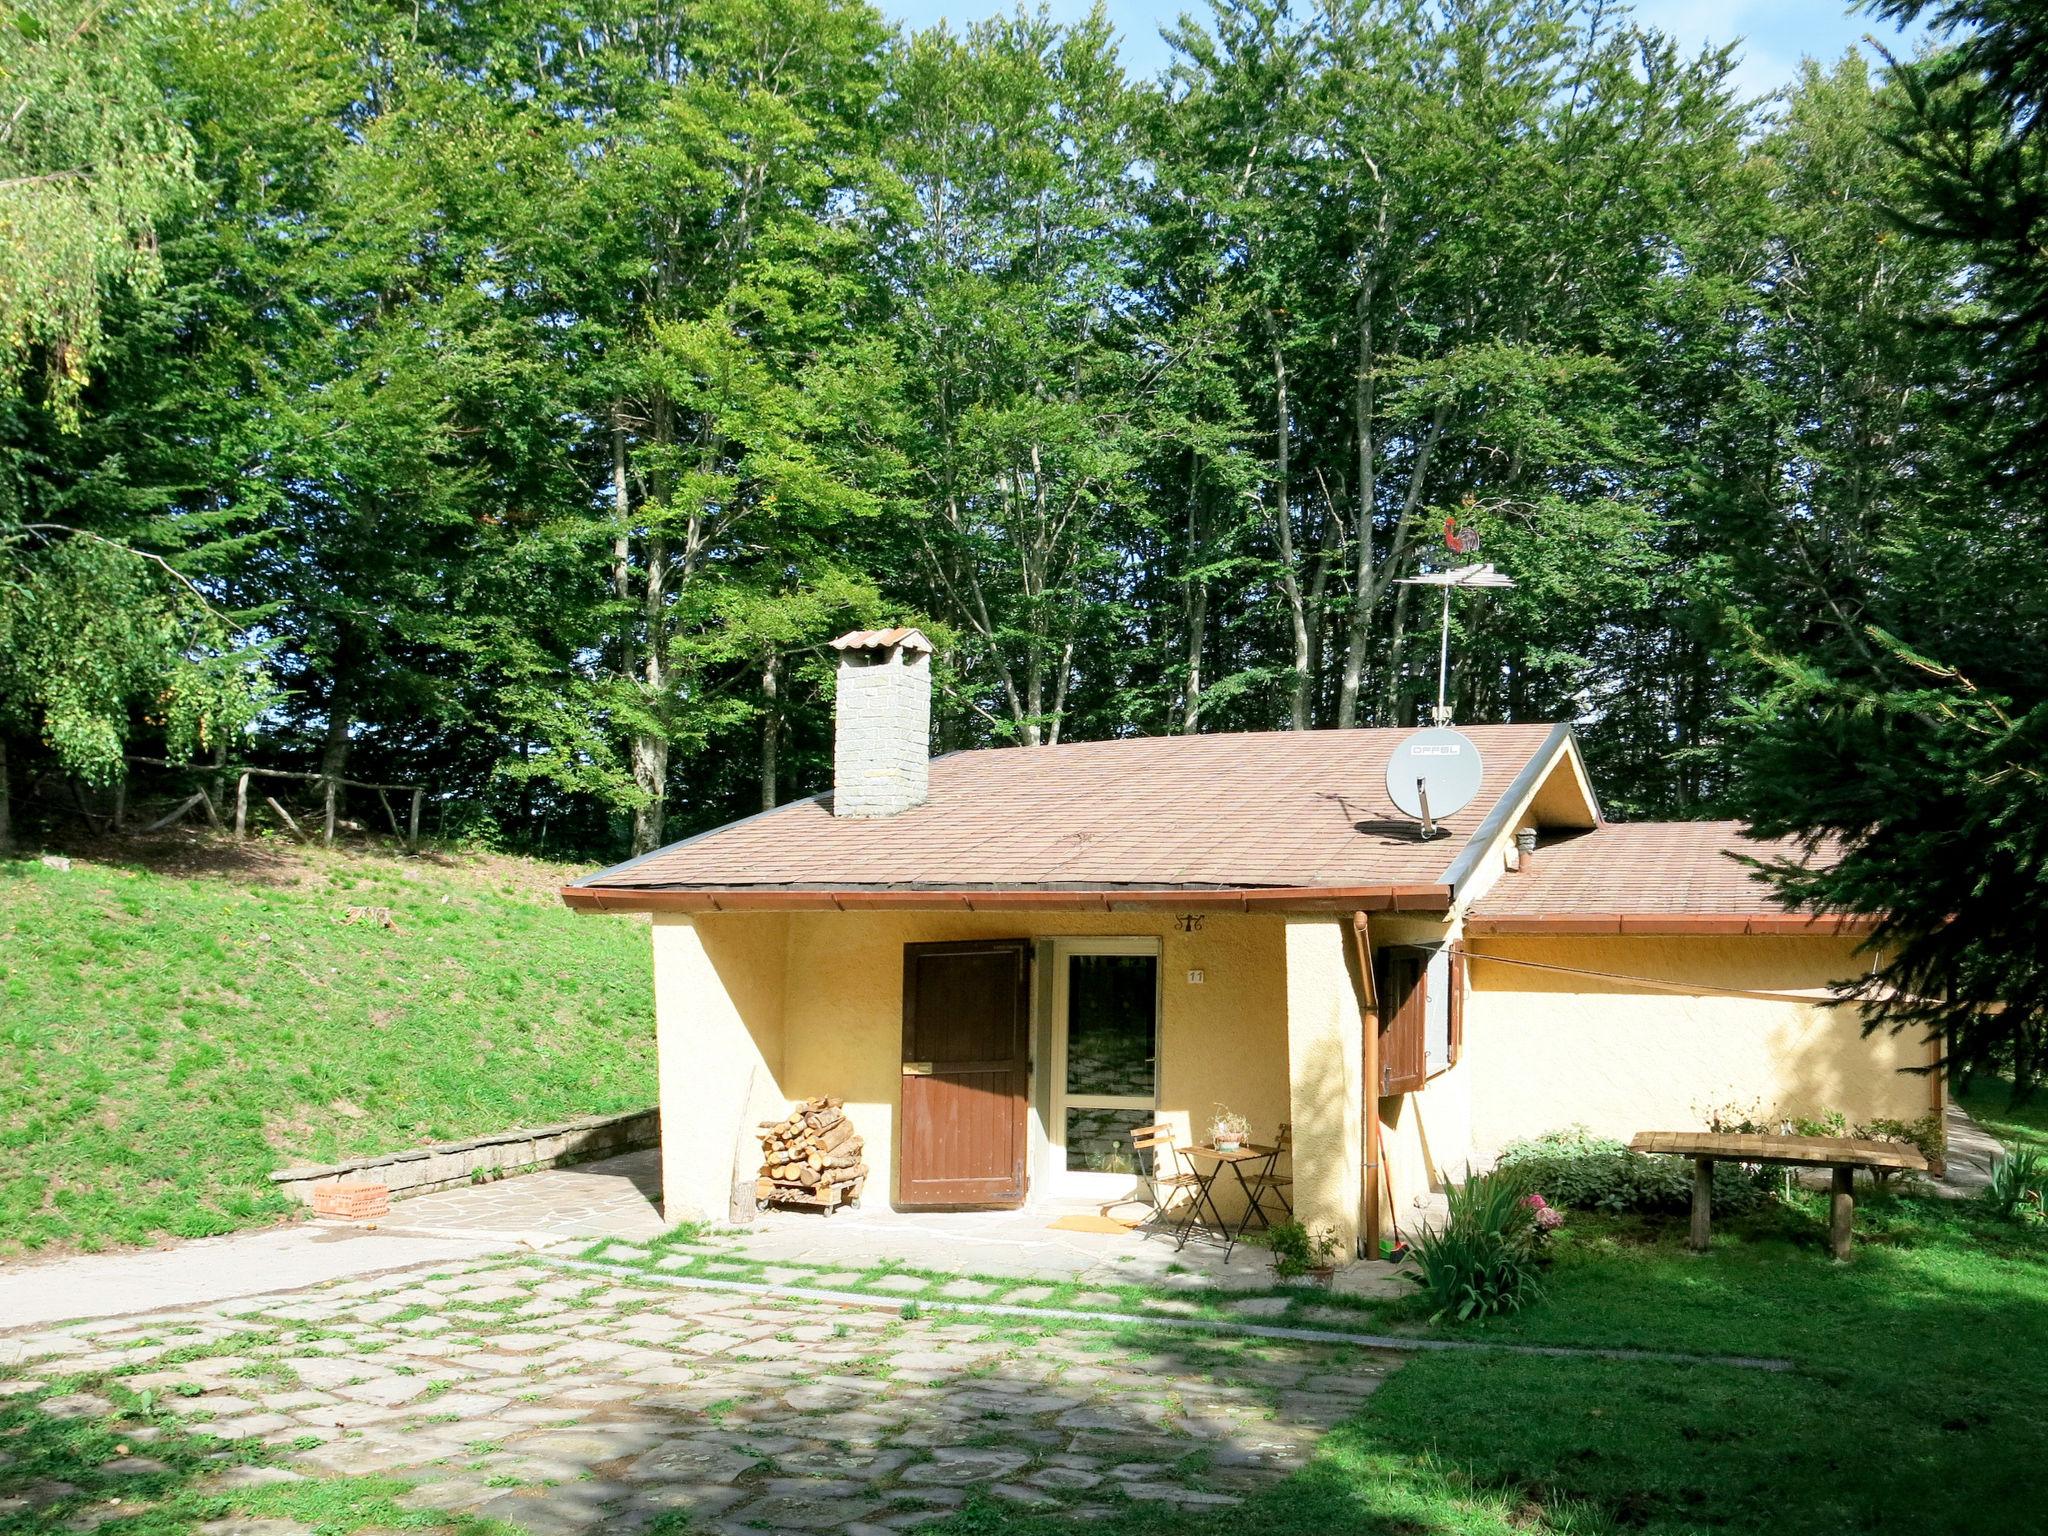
<point>1369,1015</point>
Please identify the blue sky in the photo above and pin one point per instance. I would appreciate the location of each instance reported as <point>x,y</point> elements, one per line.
<point>1775,34</point>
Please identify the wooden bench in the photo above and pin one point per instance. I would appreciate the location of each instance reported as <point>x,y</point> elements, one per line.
<point>1844,1154</point>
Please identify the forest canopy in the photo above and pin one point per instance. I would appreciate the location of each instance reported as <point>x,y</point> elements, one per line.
<point>513,396</point>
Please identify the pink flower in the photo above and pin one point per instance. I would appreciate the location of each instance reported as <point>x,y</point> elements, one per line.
<point>1549,1219</point>
<point>1536,1202</point>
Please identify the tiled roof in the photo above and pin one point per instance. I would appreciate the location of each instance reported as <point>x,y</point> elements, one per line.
<point>1639,869</point>
<point>880,639</point>
<point>1282,808</point>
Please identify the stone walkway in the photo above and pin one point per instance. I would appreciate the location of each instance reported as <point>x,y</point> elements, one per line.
<point>566,1402</point>
<point>1970,1151</point>
<point>211,1269</point>
<point>613,1197</point>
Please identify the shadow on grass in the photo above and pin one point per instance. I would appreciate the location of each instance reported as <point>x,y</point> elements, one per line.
<point>137,1472</point>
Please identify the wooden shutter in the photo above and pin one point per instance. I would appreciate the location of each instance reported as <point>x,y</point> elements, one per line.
<point>1404,999</point>
<point>1457,1003</point>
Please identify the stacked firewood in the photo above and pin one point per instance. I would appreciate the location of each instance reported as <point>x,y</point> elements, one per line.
<point>812,1158</point>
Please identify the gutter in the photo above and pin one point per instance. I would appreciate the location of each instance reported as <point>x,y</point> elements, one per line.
<point>583,897</point>
<point>1675,924</point>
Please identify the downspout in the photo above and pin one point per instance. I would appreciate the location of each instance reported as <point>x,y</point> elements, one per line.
<point>1369,1016</point>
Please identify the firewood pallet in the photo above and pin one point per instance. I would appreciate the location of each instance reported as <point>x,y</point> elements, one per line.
<point>811,1159</point>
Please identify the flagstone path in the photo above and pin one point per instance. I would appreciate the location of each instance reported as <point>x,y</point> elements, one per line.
<point>566,1402</point>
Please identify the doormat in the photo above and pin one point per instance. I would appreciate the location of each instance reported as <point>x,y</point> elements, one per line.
<point>1092,1224</point>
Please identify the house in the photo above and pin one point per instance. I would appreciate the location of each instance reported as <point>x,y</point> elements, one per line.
<point>1005,960</point>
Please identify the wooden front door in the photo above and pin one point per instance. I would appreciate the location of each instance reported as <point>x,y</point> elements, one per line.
<point>966,1073</point>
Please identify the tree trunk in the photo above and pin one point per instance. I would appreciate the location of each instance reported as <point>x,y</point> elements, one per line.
<point>771,726</point>
<point>1283,532</point>
<point>1198,628</point>
<point>334,743</point>
<point>1391,694</point>
<point>650,748</point>
<point>1364,593</point>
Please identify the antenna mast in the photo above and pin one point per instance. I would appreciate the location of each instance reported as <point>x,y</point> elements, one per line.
<point>1463,576</point>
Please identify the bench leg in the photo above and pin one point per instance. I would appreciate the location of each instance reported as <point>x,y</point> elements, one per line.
<point>1702,1203</point>
<point>1842,1212</point>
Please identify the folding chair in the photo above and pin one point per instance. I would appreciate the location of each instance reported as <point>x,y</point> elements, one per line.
<point>1150,1142</point>
<point>1275,1183</point>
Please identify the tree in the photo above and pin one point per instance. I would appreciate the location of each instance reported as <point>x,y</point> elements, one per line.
<point>1014,150</point>
<point>91,161</point>
<point>1904,723</point>
<point>97,623</point>
<point>92,631</point>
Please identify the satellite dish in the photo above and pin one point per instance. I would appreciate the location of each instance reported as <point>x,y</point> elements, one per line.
<point>1433,773</point>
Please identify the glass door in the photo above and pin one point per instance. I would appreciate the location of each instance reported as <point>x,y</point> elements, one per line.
<point>1105,1059</point>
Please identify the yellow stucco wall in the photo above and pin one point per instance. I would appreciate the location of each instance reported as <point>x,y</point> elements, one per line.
<point>818,1008</point>
<point>811,1003</point>
<point>1544,1050</point>
<point>1325,1042</point>
<point>719,1009</point>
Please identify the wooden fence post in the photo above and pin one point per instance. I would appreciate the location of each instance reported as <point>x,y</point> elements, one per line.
<point>242,806</point>
<point>412,836</point>
<point>284,816</point>
<point>329,838</point>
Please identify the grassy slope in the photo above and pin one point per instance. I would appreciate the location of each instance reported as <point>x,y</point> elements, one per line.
<point>170,1034</point>
<point>1989,1102</point>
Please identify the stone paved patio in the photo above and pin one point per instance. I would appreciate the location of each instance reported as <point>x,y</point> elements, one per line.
<point>566,1402</point>
<point>619,1197</point>
<point>612,1197</point>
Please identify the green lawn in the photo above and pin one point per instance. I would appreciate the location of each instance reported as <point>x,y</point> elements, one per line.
<point>1918,1401</point>
<point>170,1035</point>
<point>1989,1102</point>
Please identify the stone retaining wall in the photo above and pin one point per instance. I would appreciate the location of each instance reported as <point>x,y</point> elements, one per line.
<point>449,1164</point>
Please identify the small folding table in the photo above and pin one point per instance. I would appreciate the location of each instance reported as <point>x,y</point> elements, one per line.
<point>1205,1194</point>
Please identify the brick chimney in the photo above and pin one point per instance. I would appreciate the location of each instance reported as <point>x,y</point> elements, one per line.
<point>881,749</point>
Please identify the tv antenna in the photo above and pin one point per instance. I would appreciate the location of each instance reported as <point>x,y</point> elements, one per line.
<point>1463,576</point>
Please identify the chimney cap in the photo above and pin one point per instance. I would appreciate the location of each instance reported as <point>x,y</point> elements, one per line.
<point>882,640</point>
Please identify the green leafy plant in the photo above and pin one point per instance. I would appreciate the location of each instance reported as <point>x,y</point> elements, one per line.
<point>2019,1174</point>
<point>1299,1250</point>
<point>1831,1122</point>
<point>1226,1125</point>
<point>1927,1134</point>
<point>1575,1168</point>
<point>1481,1261</point>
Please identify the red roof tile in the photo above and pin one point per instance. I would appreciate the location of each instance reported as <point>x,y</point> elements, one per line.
<point>1278,808</point>
<point>1640,869</point>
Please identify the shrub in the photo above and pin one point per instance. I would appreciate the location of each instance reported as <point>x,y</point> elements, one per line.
<point>1482,1260</point>
<point>1926,1133</point>
<point>1576,1168</point>
<point>1297,1249</point>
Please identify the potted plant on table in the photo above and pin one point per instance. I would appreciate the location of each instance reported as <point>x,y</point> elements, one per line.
<point>1228,1130</point>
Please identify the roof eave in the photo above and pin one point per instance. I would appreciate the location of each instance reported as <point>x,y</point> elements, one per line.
<point>1797,924</point>
<point>1509,801</point>
<point>1309,898</point>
